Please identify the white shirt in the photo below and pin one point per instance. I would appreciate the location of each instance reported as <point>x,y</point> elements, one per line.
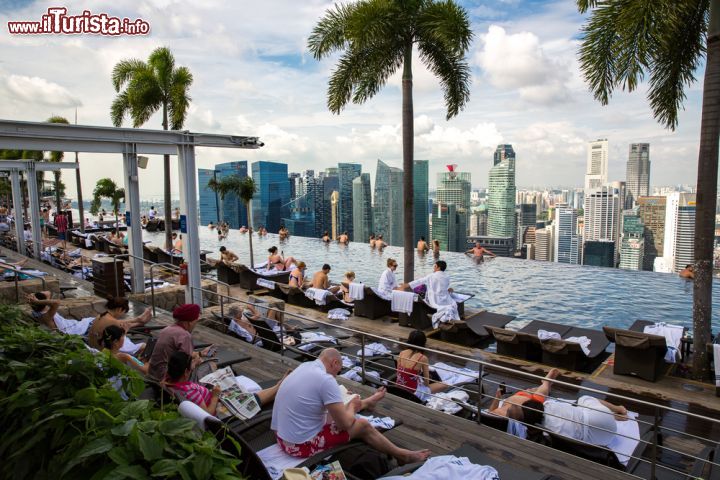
<point>152,213</point>
<point>437,284</point>
<point>387,282</point>
<point>589,421</point>
<point>27,235</point>
<point>299,412</point>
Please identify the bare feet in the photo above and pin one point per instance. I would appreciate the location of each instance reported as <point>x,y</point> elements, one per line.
<point>373,399</point>
<point>553,374</point>
<point>410,456</point>
<point>145,316</point>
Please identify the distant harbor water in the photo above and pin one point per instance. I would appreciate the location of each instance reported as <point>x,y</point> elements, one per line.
<point>531,290</point>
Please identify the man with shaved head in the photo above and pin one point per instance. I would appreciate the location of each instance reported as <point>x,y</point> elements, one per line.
<point>309,415</point>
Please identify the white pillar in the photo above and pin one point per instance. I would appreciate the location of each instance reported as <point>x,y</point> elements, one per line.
<point>34,209</point>
<point>187,174</point>
<point>18,210</point>
<point>132,212</point>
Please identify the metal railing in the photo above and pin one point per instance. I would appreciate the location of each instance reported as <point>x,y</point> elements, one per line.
<point>19,272</point>
<point>484,368</point>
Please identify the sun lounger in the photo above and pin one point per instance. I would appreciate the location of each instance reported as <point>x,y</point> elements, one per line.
<point>471,332</point>
<point>372,306</point>
<point>570,355</point>
<point>637,353</point>
<point>421,316</point>
<point>248,278</point>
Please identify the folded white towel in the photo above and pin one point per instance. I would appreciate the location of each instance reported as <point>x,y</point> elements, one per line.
<point>451,375</point>
<point>673,335</point>
<point>338,314</point>
<point>347,362</point>
<point>353,374</point>
<point>276,460</point>
<point>716,359</point>
<point>583,341</point>
<point>270,285</point>
<point>386,423</point>
<point>374,349</point>
<point>447,401</point>
<point>318,295</point>
<point>516,428</point>
<point>402,301</point>
<point>316,337</point>
<point>546,335</point>
<point>357,291</point>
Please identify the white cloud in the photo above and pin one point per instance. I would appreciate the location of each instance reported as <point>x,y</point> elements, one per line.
<point>24,89</point>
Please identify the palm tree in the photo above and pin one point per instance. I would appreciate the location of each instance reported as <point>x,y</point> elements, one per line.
<point>668,39</point>
<point>35,156</point>
<point>57,157</point>
<point>244,188</point>
<point>107,188</point>
<point>376,38</point>
<point>151,86</point>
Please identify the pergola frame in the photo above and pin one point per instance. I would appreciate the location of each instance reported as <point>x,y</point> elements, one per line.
<point>129,142</point>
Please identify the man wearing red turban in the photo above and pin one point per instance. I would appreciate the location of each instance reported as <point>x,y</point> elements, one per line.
<point>176,337</point>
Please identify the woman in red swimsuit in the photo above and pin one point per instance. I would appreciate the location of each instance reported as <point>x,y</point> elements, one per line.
<point>413,370</point>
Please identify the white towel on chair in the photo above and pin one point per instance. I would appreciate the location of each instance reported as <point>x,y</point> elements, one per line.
<point>716,355</point>
<point>583,341</point>
<point>546,335</point>
<point>374,349</point>
<point>626,438</point>
<point>357,291</point>
<point>402,302</point>
<point>88,243</point>
<point>451,375</point>
<point>317,294</point>
<point>270,285</point>
<point>673,335</point>
<point>276,460</point>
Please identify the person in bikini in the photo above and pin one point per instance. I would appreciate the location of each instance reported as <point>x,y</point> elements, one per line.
<point>297,276</point>
<point>277,261</point>
<point>413,370</point>
<point>372,241</point>
<point>525,405</point>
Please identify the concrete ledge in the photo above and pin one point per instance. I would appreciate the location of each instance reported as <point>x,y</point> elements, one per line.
<point>170,297</point>
<point>7,289</point>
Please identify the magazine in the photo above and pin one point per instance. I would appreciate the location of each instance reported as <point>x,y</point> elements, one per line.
<point>234,401</point>
<point>331,471</point>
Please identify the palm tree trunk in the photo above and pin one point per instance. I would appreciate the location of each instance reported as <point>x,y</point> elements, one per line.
<point>166,170</point>
<point>81,207</point>
<point>408,133</point>
<point>250,232</point>
<point>706,197</point>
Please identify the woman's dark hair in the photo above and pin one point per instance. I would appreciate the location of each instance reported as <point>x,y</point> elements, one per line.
<point>111,334</point>
<point>118,302</point>
<point>417,339</point>
<point>533,412</point>
<point>441,265</point>
<point>38,308</point>
<point>272,249</point>
<point>178,363</point>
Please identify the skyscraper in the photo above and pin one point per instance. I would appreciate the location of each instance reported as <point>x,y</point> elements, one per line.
<point>602,217</point>
<point>526,218</point>
<point>678,245</point>
<point>270,204</point>
<point>544,244</point>
<point>599,253</point>
<point>501,193</point>
<point>330,184</point>
<point>334,215</point>
<point>347,172</point>
<point>362,208</point>
<point>209,204</point>
<point>638,173</point>
<point>567,242</point>
<point>478,221</point>
<point>632,248</point>
<point>388,204</point>
<point>449,227</point>
<point>420,198</point>
<point>652,214</point>
<point>596,173</point>
<point>232,209</point>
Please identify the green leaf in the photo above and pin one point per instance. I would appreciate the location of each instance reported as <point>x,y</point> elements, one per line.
<point>124,429</point>
<point>165,468</point>
<point>120,455</point>
<point>176,426</point>
<point>95,447</point>
<point>86,396</point>
<point>135,409</point>
<point>128,471</point>
<point>151,447</point>
<point>202,465</point>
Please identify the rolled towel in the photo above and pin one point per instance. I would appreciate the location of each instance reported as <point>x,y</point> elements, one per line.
<point>357,291</point>
<point>270,285</point>
<point>402,302</point>
<point>546,335</point>
<point>374,349</point>
<point>583,341</point>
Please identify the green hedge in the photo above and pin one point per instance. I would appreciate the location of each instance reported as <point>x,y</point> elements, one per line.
<point>65,413</point>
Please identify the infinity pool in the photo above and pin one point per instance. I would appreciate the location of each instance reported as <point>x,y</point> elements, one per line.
<point>569,294</point>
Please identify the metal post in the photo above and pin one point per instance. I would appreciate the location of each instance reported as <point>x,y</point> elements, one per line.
<point>18,210</point>
<point>34,209</point>
<point>222,307</point>
<point>282,336</point>
<point>654,453</point>
<point>480,393</point>
<point>187,173</point>
<point>362,355</point>
<point>132,209</point>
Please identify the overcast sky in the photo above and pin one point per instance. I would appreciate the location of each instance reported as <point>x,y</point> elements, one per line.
<point>254,76</point>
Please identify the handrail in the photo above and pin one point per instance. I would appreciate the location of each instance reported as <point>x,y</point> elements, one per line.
<point>17,286</point>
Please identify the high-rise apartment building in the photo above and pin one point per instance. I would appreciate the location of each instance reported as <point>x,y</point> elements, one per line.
<point>526,218</point>
<point>454,187</point>
<point>347,172</point>
<point>602,217</point>
<point>567,242</point>
<point>544,244</point>
<point>213,208</point>
<point>501,193</point>
<point>596,173</point>
<point>388,204</point>
<point>637,175</point>
<point>331,184</point>
<point>449,227</point>
<point>421,176</point>
<point>478,221</point>
<point>632,247</point>
<point>679,242</point>
<point>362,208</point>
<point>271,202</point>
<point>599,253</point>
<point>652,214</point>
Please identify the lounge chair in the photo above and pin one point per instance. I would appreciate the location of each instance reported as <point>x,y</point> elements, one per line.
<point>296,296</point>
<point>420,318</point>
<point>248,278</point>
<point>372,306</point>
<point>570,356</point>
<point>506,469</point>
<point>227,275</point>
<point>636,353</point>
<point>150,253</point>
<point>471,332</point>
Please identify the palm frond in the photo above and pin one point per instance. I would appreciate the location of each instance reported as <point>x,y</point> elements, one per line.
<point>585,5</point>
<point>343,80</point>
<point>328,35</point>
<point>178,97</point>
<point>57,156</point>
<point>119,108</point>
<point>598,60</point>
<point>377,65</point>
<point>446,24</point>
<point>162,63</point>
<point>123,71</point>
<point>145,96</point>
<point>452,70</point>
<point>677,56</point>
<point>374,23</point>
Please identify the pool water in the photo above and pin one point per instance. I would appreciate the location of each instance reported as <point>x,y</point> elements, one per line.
<point>530,290</point>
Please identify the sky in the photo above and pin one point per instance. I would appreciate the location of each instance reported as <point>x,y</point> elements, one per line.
<point>253,75</point>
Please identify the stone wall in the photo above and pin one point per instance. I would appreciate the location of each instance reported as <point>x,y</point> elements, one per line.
<point>170,297</point>
<point>209,319</point>
<point>7,289</point>
<point>76,308</point>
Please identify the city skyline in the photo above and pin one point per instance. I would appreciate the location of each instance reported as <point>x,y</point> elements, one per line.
<point>269,86</point>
